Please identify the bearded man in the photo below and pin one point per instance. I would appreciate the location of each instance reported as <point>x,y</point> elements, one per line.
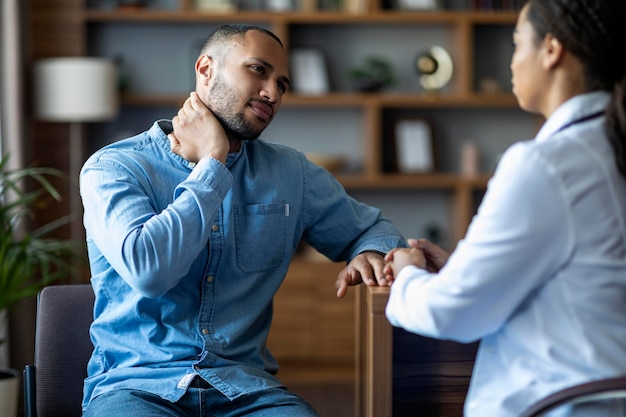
<point>191,227</point>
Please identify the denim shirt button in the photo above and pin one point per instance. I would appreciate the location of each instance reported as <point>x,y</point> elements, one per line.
<point>215,228</point>
<point>205,331</point>
<point>192,164</point>
<point>209,279</point>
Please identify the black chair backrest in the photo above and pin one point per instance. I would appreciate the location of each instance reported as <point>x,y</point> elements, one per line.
<point>62,348</point>
<point>587,392</point>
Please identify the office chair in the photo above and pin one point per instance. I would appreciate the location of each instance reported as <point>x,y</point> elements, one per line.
<point>598,390</point>
<point>53,386</point>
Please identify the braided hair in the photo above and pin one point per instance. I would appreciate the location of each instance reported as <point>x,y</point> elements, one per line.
<point>595,32</point>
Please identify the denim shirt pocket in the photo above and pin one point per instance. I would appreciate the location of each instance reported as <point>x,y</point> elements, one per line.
<point>260,236</point>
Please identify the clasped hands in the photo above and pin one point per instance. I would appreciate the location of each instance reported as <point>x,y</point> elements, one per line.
<point>372,269</point>
<point>420,253</point>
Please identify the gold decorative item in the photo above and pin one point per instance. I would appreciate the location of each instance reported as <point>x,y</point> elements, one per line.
<point>435,68</point>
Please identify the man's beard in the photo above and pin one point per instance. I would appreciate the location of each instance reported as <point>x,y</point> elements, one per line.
<point>233,122</point>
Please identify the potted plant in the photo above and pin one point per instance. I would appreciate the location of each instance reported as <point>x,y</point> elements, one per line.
<point>373,75</point>
<point>29,259</point>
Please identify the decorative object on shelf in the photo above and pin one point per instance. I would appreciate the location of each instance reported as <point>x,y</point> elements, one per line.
<point>331,5</point>
<point>356,6</point>
<point>279,5</point>
<point>215,5</point>
<point>373,75</point>
<point>470,160</point>
<point>307,5</point>
<point>414,146</point>
<point>308,71</point>
<point>435,68</point>
<point>489,85</point>
<point>419,4</point>
<point>75,90</point>
<point>251,5</point>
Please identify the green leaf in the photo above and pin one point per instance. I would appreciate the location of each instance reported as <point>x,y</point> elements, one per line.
<point>31,259</point>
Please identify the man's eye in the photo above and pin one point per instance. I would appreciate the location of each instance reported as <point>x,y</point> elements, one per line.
<point>282,87</point>
<point>258,68</point>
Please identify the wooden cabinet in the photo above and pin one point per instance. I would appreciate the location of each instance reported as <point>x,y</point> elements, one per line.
<point>313,331</point>
<point>403,374</point>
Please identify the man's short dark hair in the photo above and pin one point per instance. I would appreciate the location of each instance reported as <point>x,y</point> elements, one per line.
<point>226,32</point>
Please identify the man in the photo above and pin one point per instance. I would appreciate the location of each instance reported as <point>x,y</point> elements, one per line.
<point>191,227</point>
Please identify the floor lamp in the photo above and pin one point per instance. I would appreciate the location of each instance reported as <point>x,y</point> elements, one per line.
<point>75,90</point>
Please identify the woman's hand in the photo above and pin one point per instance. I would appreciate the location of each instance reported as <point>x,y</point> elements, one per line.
<point>435,256</point>
<point>422,254</point>
<point>398,258</point>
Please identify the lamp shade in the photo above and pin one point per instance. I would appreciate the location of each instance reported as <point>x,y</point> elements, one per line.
<point>76,89</point>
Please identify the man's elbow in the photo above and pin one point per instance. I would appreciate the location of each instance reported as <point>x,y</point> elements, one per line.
<point>149,285</point>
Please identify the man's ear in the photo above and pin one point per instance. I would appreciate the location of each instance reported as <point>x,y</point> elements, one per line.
<point>553,51</point>
<point>204,69</point>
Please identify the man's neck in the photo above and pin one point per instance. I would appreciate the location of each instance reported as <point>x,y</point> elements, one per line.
<point>235,145</point>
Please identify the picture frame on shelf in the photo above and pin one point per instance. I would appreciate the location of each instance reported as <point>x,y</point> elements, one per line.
<point>279,5</point>
<point>419,4</point>
<point>223,6</point>
<point>414,146</point>
<point>308,71</point>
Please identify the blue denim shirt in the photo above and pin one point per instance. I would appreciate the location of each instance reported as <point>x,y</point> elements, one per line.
<point>186,258</point>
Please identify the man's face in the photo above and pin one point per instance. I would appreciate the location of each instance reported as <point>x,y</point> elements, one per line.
<point>247,85</point>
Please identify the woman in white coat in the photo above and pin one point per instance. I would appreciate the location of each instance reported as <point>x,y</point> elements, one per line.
<point>540,277</point>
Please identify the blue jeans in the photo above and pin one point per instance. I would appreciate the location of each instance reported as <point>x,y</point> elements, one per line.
<point>201,402</point>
